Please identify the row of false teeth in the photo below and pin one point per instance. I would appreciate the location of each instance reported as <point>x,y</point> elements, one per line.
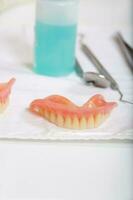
<point>3,105</point>
<point>74,122</point>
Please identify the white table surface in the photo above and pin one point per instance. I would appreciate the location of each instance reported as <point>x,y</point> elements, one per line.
<point>68,171</point>
<point>60,171</point>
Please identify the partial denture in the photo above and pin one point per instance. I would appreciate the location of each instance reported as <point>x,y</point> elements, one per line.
<point>5,90</point>
<point>62,112</point>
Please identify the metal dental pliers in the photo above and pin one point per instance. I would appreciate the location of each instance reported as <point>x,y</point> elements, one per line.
<point>126,50</point>
<point>102,70</point>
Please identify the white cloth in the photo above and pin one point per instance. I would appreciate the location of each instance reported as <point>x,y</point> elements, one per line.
<point>16,61</point>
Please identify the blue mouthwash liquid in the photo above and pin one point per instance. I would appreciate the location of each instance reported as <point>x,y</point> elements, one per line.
<point>55,49</point>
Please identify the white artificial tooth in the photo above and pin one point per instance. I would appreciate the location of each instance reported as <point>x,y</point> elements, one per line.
<point>47,114</point>
<point>102,118</point>
<point>91,122</point>
<point>53,117</point>
<point>68,122</point>
<point>98,120</point>
<point>83,123</point>
<point>41,112</point>
<point>75,124</point>
<point>60,120</point>
<point>3,106</point>
<point>106,116</point>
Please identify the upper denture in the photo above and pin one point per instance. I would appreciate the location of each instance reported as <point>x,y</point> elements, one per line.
<point>5,90</point>
<point>62,112</point>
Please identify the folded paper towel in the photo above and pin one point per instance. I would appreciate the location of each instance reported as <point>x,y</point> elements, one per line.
<point>18,123</point>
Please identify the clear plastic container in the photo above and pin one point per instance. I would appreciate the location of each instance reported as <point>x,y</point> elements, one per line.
<point>55,36</point>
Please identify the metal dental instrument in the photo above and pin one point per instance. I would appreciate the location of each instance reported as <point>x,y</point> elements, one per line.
<point>126,50</point>
<point>98,80</point>
<point>114,85</point>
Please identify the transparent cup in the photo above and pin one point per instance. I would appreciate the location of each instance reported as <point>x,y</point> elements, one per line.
<point>55,36</point>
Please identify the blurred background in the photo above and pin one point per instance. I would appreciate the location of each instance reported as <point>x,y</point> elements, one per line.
<point>99,13</point>
<point>104,17</point>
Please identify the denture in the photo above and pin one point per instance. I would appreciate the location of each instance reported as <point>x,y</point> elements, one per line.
<point>63,113</point>
<point>5,90</point>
